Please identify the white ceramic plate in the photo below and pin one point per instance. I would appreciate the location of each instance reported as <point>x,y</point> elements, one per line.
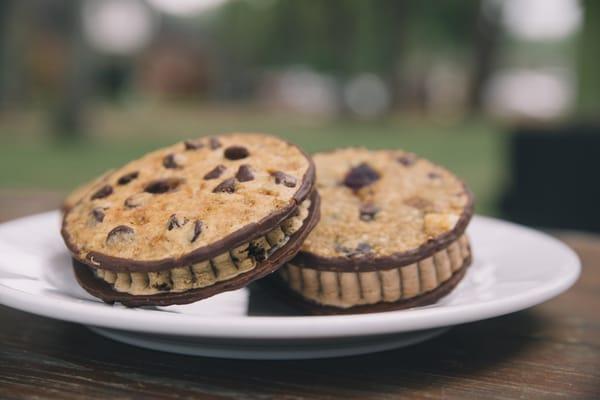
<point>514,268</point>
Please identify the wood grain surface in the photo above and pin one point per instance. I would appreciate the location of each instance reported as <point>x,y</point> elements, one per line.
<point>548,351</point>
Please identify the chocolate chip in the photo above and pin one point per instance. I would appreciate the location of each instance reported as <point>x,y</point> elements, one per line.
<point>244,173</point>
<point>368,211</point>
<point>342,249</point>
<point>283,178</point>
<point>193,144</point>
<point>215,172</point>
<point>125,179</point>
<point>98,214</point>
<point>173,161</point>
<point>407,159</point>
<point>197,230</point>
<point>137,200</point>
<point>434,175</point>
<point>214,143</point>
<point>163,286</point>
<point>121,233</point>
<point>176,221</point>
<point>363,248</point>
<point>163,185</point>
<point>103,192</point>
<point>257,252</point>
<point>360,176</point>
<point>227,186</point>
<point>236,152</point>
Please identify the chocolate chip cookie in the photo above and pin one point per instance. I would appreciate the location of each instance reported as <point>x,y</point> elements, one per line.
<point>192,220</point>
<point>391,234</point>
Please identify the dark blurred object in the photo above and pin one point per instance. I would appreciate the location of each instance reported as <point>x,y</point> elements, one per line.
<point>554,177</point>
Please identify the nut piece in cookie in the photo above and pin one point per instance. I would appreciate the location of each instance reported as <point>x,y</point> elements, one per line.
<point>192,220</point>
<point>395,240</point>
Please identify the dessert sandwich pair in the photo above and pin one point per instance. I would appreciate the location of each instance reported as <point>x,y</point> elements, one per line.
<point>345,231</point>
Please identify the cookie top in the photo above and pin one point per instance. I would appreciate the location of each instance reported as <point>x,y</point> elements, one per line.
<point>188,202</point>
<point>383,208</point>
<point>79,192</point>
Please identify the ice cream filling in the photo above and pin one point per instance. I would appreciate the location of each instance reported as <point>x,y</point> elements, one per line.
<point>227,265</point>
<point>348,289</point>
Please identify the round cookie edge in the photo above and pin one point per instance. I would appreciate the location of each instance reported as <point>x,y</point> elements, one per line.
<point>366,263</point>
<point>248,232</point>
<point>106,293</point>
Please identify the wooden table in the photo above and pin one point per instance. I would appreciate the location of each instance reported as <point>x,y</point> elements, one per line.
<point>548,351</point>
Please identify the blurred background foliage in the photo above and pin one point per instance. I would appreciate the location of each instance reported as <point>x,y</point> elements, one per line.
<point>86,85</point>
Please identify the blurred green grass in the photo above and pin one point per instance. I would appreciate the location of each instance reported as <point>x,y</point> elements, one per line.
<point>30,157</point>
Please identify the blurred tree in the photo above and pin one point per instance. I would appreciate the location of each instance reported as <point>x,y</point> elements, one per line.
<point>69,115</point>
<point>589,59</point>
<point>485,51</point>
<point>12,41</point>
<point>347,37</point>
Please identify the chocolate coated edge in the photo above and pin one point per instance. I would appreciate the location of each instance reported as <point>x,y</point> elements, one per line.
<point>372,263</point>
<point>242,235</point>
<point>101,289</point>
<point>314,308</point>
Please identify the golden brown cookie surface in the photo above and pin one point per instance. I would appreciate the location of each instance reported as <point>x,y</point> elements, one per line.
<point>384,204</point>
<point>189,198</point>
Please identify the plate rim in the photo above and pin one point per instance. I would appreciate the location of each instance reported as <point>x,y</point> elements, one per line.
<point>294,327</point>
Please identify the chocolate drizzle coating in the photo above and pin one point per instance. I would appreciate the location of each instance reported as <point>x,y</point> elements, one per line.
<point>372,262</point>
<point>104,291</point>
<point>119,264</point>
